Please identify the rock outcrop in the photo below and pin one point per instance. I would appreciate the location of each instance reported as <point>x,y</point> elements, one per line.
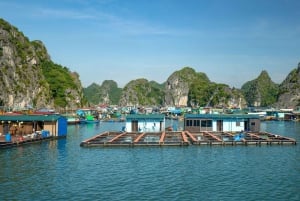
<point>27,75</point>
<point>21,79</point>
<point>177,86</point>
<point>187,87</point>
<point>289,90</point>
<point>141,92</point>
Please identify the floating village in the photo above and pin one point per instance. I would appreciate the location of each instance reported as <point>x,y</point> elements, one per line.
<point>147,127</point>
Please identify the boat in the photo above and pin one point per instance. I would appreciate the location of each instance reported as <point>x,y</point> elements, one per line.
<point>88,116</point>
<point>89,119</point>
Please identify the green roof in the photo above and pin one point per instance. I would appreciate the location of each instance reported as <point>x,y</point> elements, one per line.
<point>29,117</point>
<point>222,116</point>
<point>145,116</point>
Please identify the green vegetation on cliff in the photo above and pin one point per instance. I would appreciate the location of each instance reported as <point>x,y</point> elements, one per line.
<point>188,87</point>
<point>142,92</point>
<point>261,91</point>
<point>107,93</point>
<point>289,90</point>
<point>92,93</point>
<point>30,78</point>
<point>60,81</point>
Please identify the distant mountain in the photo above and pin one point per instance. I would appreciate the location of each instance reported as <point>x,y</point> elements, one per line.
<point>289,90</point>
<point>28,77</point>
<point>107,93</point>
<point>261,91</point>
<point>141,92</point>
<point>92,93</point>
<point>187,87</point>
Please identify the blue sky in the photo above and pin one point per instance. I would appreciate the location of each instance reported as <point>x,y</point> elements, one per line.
<point>231,41</point>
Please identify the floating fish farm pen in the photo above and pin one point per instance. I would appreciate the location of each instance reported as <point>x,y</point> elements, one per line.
<point>245,138</point>
<point>185,138</point>
<point>137,139</point>
<point>199,129</point>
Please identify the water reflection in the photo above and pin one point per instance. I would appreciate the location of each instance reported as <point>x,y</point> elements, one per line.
<point>62,170</point>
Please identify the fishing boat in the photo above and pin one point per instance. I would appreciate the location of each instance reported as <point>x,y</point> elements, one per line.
<point>88,116</point>
<point>89,119</point>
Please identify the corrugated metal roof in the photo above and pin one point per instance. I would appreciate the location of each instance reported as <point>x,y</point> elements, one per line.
<point>29,117</point>
<point>222,116</point>
<point>145,116</point>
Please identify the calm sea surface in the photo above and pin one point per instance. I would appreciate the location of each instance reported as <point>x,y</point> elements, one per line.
<point>62,170</point>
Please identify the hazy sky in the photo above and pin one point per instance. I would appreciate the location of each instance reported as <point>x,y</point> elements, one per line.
<point>231,41</point>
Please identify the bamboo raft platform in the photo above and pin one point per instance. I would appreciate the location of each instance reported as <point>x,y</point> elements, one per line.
<point>185,138</point>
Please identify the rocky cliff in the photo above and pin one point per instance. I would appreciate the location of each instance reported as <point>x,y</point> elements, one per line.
<point>187,87</point>
<point>141,92</point>
<point>29,78</point>
<point>191,88</point>
<point>177,87</point>
<point>21,79</point>
<point>289,90</point>
<point>22,74</point>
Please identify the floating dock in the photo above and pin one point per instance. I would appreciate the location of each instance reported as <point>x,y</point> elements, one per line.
<point>19,141</point>
<point>185,138</point>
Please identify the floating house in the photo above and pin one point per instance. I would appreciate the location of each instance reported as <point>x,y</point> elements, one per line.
<point>23,125</point>
<point>145,123</point>
<point>221,122</point>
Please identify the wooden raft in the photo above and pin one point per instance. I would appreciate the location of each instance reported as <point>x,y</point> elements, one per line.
<point>185,138</point>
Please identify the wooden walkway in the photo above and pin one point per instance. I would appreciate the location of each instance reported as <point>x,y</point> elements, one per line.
<point>185,138</point>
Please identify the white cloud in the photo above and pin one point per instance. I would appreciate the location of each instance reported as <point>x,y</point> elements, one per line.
<point>65,14</point>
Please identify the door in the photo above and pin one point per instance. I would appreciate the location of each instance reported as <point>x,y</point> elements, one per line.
<point>246,125</point>
<point>219,125</point>
<point>134,125</point>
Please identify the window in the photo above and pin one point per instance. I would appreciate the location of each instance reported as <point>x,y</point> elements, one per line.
<point>189,122</point>
<point>238,123</point>
<point>197,123</point>
<point>206,123</point>
<point>209,123</point>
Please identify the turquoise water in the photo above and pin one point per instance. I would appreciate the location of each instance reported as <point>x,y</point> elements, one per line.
<point>62,170</point>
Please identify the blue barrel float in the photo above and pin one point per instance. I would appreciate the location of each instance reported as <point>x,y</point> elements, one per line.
<point>45,133</point>
<point>7,137</point>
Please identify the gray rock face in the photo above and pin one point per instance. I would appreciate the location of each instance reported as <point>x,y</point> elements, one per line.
<point>289,90</point>
<point>187,87</point>
<point>21,80</point>
<point>176,91</point>
<point>141,92</point>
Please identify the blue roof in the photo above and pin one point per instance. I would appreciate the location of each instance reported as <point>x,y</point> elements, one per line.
<point>221,116</point>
